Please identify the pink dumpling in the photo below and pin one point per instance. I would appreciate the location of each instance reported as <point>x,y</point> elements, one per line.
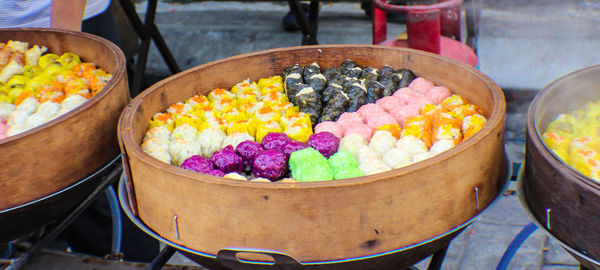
<point>377,120</point>
<point>421,85</point>
<point>365,110</point>
<point>3,129</point>
<point>405,94</point>
<point>332,127</point>
<point>389,102</point>
<point>403,112</point>
<point>437,94</point>
<point>419,101</point>
<point>347,119</point>
<point>360,129</point>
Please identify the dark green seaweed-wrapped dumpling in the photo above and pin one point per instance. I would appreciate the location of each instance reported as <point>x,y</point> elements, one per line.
<point>309,71</point>
<point>348,82</point>
<point>292,69</point>
<point>317,82</point>
<point>375,91</point>
<point>390,81</point>
<point>338,102</point>
<point>406,77</point>
<point>331,73</point>
<point>369,74</point>
<point>328,92</point>
<point>348,64</point>
<point>358,97</point>
<point>291,84</point>
<point>386,70</point>
<point>352,72</point>
<point>308,102</point>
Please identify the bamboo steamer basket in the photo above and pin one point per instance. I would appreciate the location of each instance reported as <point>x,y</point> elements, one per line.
<point>316,221</point>
<point>565,201</point>
<point>57,154</point>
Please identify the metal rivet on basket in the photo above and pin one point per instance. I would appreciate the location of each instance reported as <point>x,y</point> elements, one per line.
<point>176,226</point>
<point>548,218</point>
<point>476,198</point>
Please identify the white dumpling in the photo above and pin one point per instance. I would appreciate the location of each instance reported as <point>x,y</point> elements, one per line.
<point>351,143</point>
<point>236,138</point>
<point>382,141</point>
<point>210,140</point>
<point>158,149</point>
<point>32,55</point>
<point>372,166</point>
<point>16,129</point>
<point>48,108</point>
<point>162,133</point>
<point>365,153</point>
<point>155,144</point>
<point>236,176</point>
<point>397,158</point>
<point>412,145</point>
<point>17,117</point>
<point>70,103</point>
<point>6,109</point>
<point>185,131</point>
<point>440,146</point>
<point>181,149</point>
<point>35,120</point>
<point>13,68</point>
<point>421,156</point>
<point>29,105</point>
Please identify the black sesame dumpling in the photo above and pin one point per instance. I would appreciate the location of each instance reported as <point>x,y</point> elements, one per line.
<point>348,64</point>
<point>338,79</point>
<point>375,91</point>
<point>309,71</point>
<point>318,82</point>
<point>352,72</point>
<point>369,74</point>
<point>292,80</point>
<point>406,77</point>
<point>291,69</point>
<point>358,96</point>
<point>308,102</point>
<point>386,70</point>
<point>390,81</point>
<point>348,82</point>
<point>328,92</point>
<point>338,103</point>
<point>331,73</point>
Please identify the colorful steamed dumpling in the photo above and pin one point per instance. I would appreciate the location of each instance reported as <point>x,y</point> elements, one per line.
<point>310,124</point>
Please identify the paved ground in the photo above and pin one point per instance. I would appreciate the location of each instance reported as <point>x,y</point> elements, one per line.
<point>523,45</point>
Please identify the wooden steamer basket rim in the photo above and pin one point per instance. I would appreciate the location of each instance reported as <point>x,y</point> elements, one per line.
<point>120,68</point>
<point>493,97</point>
<point>126,133</point>
<point>536,134</point>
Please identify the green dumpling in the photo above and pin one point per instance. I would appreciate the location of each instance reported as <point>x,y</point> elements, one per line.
<point>301,156</point>
<point>347,172</point>
<point>313,171</point>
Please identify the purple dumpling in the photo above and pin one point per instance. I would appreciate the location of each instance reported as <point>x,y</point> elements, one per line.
<point>324,142</point>
<point>227,160</point>
<point>270,164</point>
<point>275,141</point>
<point>216,172</point>
<point>197,163</point>
<point>248,150</point>
<point>293,146</point>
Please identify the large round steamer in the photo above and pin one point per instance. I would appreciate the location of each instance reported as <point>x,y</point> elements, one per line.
<point>565,201</point>
<point>51,157</point>
<point>316,221</point>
